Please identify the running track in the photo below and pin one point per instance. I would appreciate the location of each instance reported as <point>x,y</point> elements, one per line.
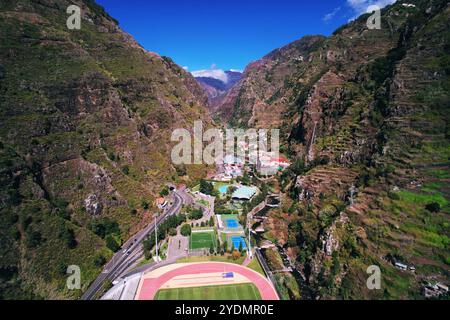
<point>152,285</point>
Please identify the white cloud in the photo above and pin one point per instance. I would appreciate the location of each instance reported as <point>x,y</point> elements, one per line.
<point>360,6</point>
<point>330,15</point>
<point>214,73</point>
<point>186,68</point>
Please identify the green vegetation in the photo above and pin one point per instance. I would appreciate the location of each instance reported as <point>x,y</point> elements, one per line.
<point>203,240</point>
<point>226,292</point>
<point>186,230</point>
<point>207,188</point>
<point>164,229</point>
<point>256,266</point>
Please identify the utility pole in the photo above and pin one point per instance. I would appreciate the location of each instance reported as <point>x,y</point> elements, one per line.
<point>156,242</point>
<point>249,239</point>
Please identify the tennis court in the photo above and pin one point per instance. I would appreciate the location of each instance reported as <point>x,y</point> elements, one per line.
<point>231,223</point>
<point>237,240</point>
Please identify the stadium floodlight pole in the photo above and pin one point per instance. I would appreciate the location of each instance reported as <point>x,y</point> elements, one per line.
<point>249,242</point>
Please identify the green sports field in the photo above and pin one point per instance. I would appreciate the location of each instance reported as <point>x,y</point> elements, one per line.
<point>245,291</point>
<point>200,240</point>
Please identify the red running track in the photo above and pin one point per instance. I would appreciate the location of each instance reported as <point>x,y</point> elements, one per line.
<point>152,285</point>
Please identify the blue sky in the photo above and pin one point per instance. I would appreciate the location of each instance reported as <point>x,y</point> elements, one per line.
<point>228,34</point>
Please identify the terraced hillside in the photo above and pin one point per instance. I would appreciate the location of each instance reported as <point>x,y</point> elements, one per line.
<point>364,116</point>
<point>85,123</point>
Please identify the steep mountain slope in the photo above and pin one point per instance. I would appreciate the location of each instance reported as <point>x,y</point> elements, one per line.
<point>255,99</point>
<point>364,116</point>
<point>85,125</point>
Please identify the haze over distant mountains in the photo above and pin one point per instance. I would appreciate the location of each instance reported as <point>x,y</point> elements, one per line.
<point>216,82</point>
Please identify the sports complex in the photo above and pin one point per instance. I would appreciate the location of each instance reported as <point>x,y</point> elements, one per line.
<point>204,281</point>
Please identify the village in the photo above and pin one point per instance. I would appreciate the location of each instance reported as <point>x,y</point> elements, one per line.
<point>217,216</point>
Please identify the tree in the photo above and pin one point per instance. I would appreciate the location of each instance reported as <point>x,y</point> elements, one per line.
<point>225,245</point>
<point>186,230</point>
<point>240,246</point>
<point>298,167</point>
<point>207,188</point>
<point>195,214</point>
<point>144,204</point>
<point>164,191</point>
<point>62,268</point>
<point>111,243</point>
<point>126,170</point>
<point>245,180</point>
<point>211,222</point>
<point>211,249</point>
<point>68,236</point>
<point>433,207</point>
<point>104,226</point>
<point>99,260</point>
<point>34,239</point>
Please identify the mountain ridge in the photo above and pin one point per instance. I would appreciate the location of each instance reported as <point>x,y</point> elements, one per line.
<point>86,119</point>
<point>368,135</point>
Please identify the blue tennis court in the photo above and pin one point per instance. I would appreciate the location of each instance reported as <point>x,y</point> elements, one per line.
<point>238,240</point>
<point>231,223</point>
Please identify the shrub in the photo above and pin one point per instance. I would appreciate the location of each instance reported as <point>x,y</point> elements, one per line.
<point>195,214</point>
<point>433,207</point>
<point>34,239</point>
<point>99,260</point>
<point>68,236</point>
<point>207,188</point>
<point>186,230</point>
<point>164,191</point>
<point>236,255</point>
<point>112,244</point>
<point>126,170</point>
<point>105,226</point>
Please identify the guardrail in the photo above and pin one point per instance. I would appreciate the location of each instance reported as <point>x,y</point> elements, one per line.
<point>267,271</point>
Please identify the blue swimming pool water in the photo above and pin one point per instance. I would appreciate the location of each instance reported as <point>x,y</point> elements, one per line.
<point>231,223</point>
<point>237,240</point>
<point>223,189</point>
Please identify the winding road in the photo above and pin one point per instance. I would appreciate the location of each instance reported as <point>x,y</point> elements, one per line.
<point>132,249</point>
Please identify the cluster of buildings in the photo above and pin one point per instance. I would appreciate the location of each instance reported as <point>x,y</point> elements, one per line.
<point>266,163</point>
<point>270,163</point>
<point>436,290</point>
<point>161,202</point>
<point>404,267</point>
<point>244,193</point>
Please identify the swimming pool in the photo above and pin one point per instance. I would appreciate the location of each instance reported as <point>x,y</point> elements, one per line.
<point>231,223</point>
<point>223,189</point>
<point>238,240</point>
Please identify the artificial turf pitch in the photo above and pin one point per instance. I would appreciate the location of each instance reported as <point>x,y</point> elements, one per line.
<point>245,291</point>
<point>201,240</point>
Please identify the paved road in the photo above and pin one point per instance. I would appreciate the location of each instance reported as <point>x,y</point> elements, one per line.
<point>131,250</point>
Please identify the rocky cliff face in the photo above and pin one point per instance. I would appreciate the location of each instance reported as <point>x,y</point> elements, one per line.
<point>256,100</point>
<point>85,124</point>
<point>364,116</point>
